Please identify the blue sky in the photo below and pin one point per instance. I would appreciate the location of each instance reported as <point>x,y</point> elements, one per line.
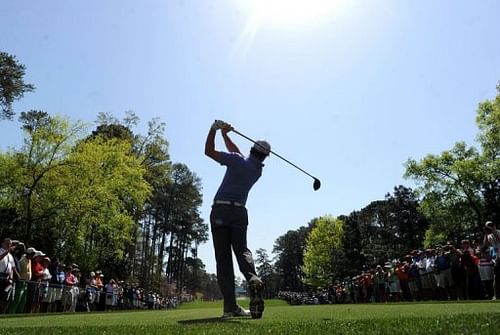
<point>348,94</point>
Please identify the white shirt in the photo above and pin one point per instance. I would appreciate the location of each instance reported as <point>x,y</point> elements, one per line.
<point>7,263</point>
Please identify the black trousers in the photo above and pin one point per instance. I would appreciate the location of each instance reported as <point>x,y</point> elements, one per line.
<point>229,233</point>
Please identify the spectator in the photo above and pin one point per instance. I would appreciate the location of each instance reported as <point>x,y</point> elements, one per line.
<point>458,273</point>
<point>70,294</point>
<point>110,289</point>
<point>403,273</point>
<point>379,284</point>
<point>57,282</point>
<point>413,276</point>
<point>492,240</point>
<point>45,293</point>
<point>442,273</point>
<point>466,246</point>
<point>17,306</point>
<point>7,265</point>
<point>92,289</point>
<point>486,272</point>
<point>474,289</point>
<point>36,278</point>
<point>393,281</point>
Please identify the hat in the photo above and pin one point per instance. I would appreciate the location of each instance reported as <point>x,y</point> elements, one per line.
<point>39,253</point>
<point>92,274</point>
<point>46,258</point>
<point>30,250</point>
<point>262,146</point>
<point>489,224</point>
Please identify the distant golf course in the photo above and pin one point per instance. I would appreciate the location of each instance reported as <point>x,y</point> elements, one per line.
<point>279,318</point>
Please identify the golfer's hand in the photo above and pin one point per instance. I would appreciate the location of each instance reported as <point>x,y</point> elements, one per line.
<point>226,128</point>
<point>219,124</point>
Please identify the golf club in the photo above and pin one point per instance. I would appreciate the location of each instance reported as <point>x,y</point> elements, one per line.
<point>317,182</point>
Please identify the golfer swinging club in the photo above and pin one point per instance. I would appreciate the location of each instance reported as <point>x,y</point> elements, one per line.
<point>229,219</point>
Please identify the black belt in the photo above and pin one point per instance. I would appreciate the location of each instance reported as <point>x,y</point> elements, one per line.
<point>229,203</point>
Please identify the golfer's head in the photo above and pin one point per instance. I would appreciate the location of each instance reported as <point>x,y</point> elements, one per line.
<point>260,150</point>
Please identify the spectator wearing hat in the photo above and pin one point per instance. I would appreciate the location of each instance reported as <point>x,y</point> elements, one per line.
<point>34,297</point>
<point>46,294</point>
<point>91,289</point>
<point>7,266</point>
<point>101,295</point>
<point>70,294</point>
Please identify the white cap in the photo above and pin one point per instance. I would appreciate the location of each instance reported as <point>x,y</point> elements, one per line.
<point>39,253</point>
<point>262,146</point>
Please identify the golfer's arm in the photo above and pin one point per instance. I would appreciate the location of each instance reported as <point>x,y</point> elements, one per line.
<point>231,147</point>
<point>210,146</point>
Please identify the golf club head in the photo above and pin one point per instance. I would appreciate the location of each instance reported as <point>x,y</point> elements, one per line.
<point>316,184</point>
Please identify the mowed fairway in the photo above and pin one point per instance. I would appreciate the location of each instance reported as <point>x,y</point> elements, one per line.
<point>279,318</point>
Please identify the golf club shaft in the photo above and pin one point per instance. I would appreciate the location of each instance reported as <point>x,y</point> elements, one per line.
<point>279,156</point>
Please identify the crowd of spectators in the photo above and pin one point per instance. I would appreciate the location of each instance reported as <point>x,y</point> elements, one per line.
<point>469,271</point>
<point>30,282</point>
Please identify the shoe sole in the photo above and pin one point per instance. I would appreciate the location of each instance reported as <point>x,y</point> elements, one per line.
<point>256,300</point>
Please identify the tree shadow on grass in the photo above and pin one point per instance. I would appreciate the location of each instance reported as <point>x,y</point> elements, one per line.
<point>207,320</point>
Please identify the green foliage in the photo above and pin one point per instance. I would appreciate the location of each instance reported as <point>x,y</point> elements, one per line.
<point>322,246</point>
<point>12,85</point>
<point>267,272</point>
<point>461,187</point>
<point>432,238</point>
<point>289,249</point>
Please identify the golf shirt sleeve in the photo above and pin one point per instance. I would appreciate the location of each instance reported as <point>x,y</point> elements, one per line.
<point>230,158</point>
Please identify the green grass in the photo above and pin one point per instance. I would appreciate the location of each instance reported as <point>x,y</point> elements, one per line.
<point>279,318</point>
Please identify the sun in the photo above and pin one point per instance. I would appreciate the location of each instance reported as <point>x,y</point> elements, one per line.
<point>284,15</point>
<point>291,12</point>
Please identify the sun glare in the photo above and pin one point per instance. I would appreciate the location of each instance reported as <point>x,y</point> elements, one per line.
<point>291,12</point>
<point>288,15</point>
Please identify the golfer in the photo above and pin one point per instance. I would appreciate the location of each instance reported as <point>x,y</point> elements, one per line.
<point>229,219</point>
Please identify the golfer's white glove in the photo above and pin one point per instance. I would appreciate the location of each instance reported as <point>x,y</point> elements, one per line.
<point>219,124</point>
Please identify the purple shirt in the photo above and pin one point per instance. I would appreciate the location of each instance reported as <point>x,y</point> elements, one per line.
<point>241,174</point>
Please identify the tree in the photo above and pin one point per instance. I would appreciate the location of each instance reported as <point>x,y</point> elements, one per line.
<point>267,273</point>
<point>12,85</point>
<point>289,250</point>
<point>322,247</point>
<point>48,141</point>
<point>98,219</point>
<point>384,229</point>
<point>461,187</point>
